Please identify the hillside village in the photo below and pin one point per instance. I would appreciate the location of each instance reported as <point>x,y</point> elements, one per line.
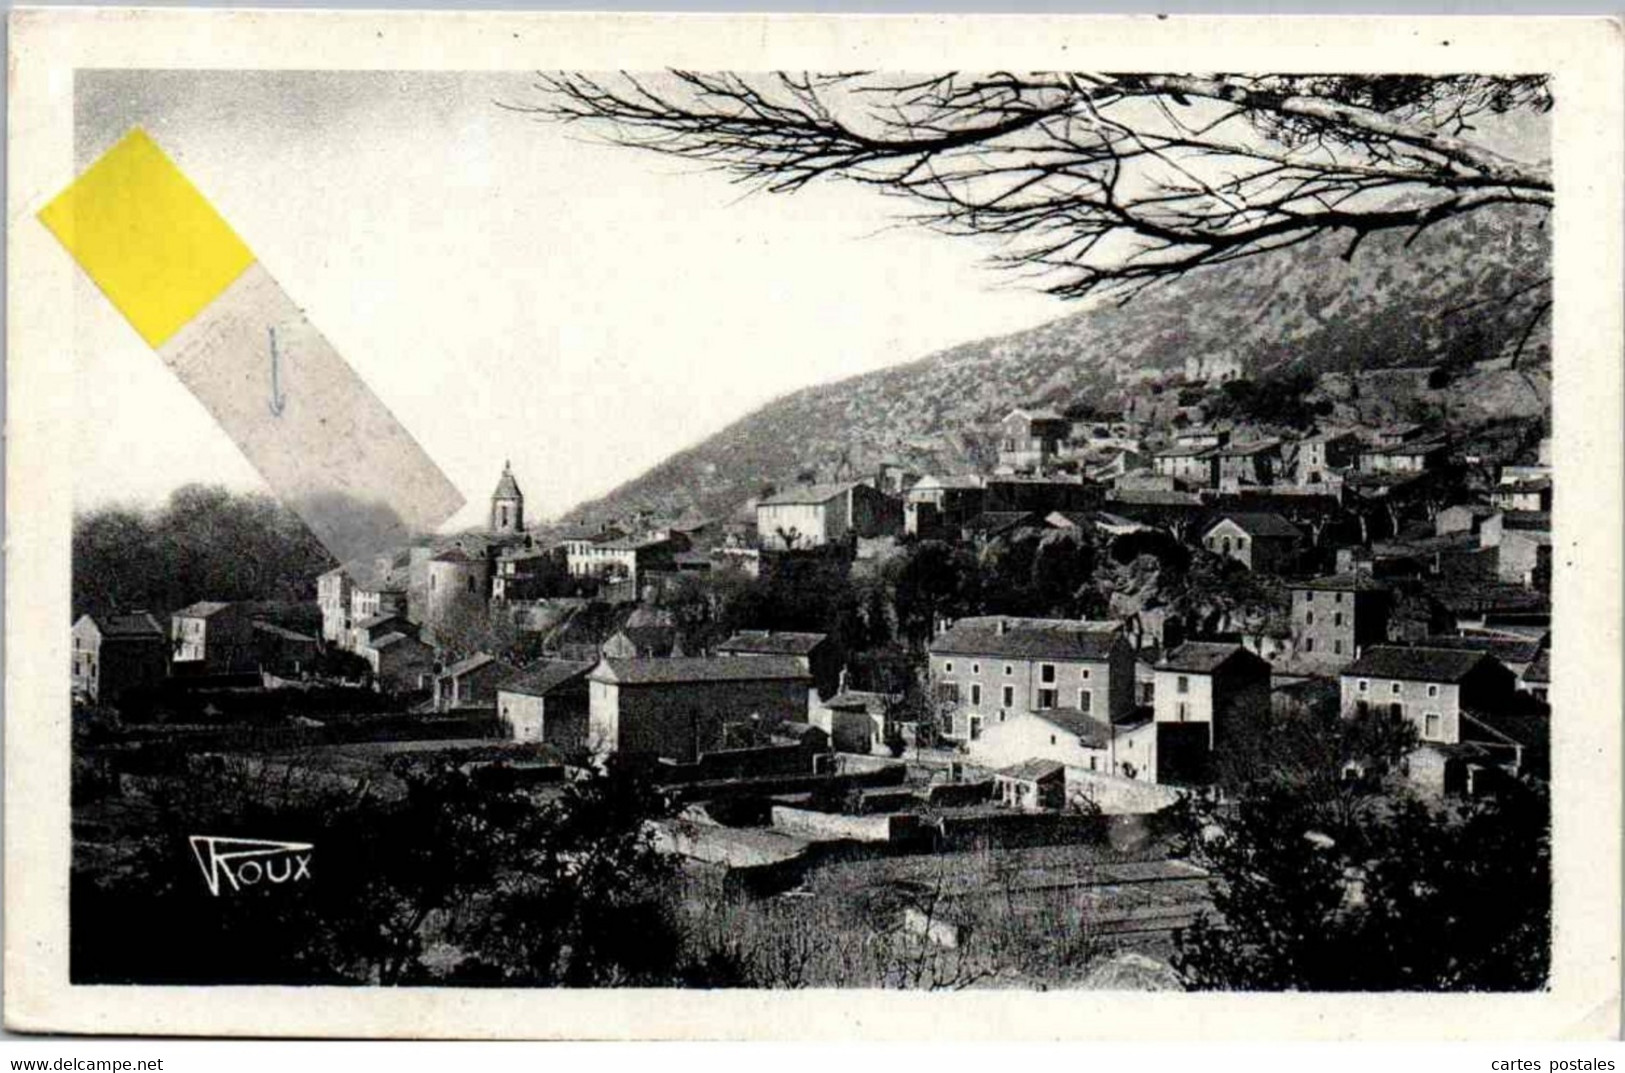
<point>854,674</point>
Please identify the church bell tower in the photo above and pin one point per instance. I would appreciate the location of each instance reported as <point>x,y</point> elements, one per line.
<point>507,504</point>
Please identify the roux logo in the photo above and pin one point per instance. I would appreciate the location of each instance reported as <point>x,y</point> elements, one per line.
<point>247,862</point>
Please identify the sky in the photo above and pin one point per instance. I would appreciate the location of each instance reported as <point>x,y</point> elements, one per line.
<point>508,287</point>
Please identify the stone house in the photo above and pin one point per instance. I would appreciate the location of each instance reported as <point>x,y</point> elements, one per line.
<point>1259,541</point>
<point>812,651</point>
<point>113,653</point>
<point>400,662</point>
<point>1190,464</point>
<point>1029,439</point>
<point>1323,457</point>
<point>547,703</point>
<point>471,682</point>
<point>677,709</point>
<point>816,515</point>
<point>1201,689</point>
<point>1031,785</point>
<point>1452,697</point>
<point>1523,543</point>
<point>1060,735</point>
<point>1334,619</point>
<point>1247,465</point>
<point>1403,458</point>
<point>210,637</point>
<point>986,669</point>
<point>938,505</point>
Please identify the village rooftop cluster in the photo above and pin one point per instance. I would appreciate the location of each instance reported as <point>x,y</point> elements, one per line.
<point>1414,565</point>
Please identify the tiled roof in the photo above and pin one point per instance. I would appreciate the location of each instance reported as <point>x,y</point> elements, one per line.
<point>377,620</point>
<point>997,521</point>
<point>855,699</point>
<point>1533,520</point>
<point>1356,581</point>
<point>1033,770</point>
<point>1155,498</point>
<point>1415,664</point>
<point>453,555</point>
<point>202,609</point>
<point>366,575</point>
<point>1242,450</point>
<point>807,494</point>
<point>138,625</point>
<point>700,669</point>
<point>656,639</point>
<point>1539,670</point>
<point>507,487</point>
<point>1418,447</point>
<point>282,632</point>
<point>1041,414</point>
<point>772,643</point>
<point>389,639</point>
<point>1092,732</point>
<point>1260,525</point>
<point>1506,649</point>
<point>471,663</point>
<point>547,676</point>
<point>1028,638</point>
<point>1199,657</point>
<point>1184,450</point>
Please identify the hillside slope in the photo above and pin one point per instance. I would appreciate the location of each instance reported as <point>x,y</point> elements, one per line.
<point>1464,290</point>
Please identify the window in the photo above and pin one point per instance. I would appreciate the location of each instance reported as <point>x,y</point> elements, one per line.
<point>976,668</point>
<point>1086,700</point>
<point>1432,726</point>
<point>1008,670</point>
<point>1047,698</point>
<point>1365,684</point>
<point>1337,618</point>
<point>1183,685</point>
<point>1241,543</point>
<point>1433,691</point>
<point>948,692</point>
<point>1007,697</point>
<point>1086,674</point>
<point>1182,711</point>
<point>1308,644</point>
<point>471,583</point>
<point>1091,763</point>
<point>1397,710</point>
<point>948,667</point>
<point>1337,597</point>
<point>1046,673</point>
<point>1052,739</point>
<point>1308,597</point>
<point>975,727</point>
<point>976,694</point>
<point>1308,618</point>
<point>1337,646</point>
<point>1148,692</point>
<point>948,724</point>
<point>1394,687</point>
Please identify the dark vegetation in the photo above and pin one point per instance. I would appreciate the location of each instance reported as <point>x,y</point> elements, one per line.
<point>205,543</point>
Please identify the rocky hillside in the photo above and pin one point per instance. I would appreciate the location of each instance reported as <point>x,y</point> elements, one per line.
<point>1462,292</point>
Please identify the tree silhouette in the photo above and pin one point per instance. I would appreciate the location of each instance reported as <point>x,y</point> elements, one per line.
<point>1095,182</point>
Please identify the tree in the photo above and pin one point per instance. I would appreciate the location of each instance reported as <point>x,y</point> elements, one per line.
<point>1098,183</point>
<point>1391,901</point>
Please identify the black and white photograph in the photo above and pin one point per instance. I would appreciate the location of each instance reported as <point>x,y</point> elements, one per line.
<point>765,528</point>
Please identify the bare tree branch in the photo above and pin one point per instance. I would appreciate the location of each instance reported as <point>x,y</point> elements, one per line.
<point>1094,183</point>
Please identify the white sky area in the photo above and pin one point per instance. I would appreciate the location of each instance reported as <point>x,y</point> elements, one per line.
<point>508,288</point>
